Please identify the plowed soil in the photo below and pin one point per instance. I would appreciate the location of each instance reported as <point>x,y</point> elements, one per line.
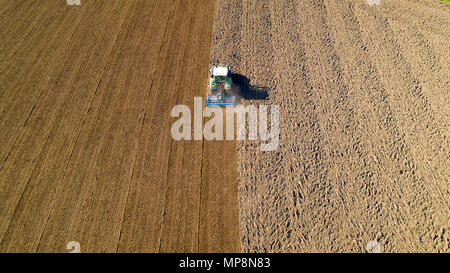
<point>86,152</point>
<point>364,123</point>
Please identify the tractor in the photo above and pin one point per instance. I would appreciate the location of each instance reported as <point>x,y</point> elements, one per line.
<point>220,84</point>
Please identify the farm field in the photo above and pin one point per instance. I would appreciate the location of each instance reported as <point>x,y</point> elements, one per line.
<point>364,101</point>
<point>86,153</point>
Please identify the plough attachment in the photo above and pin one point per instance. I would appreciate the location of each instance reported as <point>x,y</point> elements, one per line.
<point>220,100</point>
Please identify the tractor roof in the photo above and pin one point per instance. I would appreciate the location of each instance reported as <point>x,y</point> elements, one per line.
<point>220,70</point>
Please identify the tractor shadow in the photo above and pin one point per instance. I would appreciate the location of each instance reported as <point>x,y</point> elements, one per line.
<point>246,90</point>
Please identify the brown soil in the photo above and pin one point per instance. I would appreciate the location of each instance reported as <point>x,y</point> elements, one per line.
<point>364,123</point>
<point>86,152</point>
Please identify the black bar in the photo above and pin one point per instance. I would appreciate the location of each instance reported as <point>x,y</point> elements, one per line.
<point>222,262</point>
